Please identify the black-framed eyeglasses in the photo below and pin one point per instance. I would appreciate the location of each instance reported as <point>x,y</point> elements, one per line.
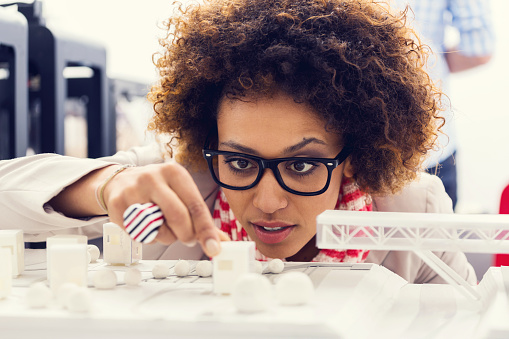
<point>298,175</point>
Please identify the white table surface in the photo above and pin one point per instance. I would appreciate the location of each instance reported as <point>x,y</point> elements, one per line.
<point>351,301</point>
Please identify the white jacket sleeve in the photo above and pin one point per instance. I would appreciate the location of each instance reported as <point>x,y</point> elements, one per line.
<point>28,183</point>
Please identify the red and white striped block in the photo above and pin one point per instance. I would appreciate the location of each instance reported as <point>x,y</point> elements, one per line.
<point>142,222</point>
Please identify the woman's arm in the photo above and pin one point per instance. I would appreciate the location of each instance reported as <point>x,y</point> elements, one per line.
<point>44,193</point>
<point>80,199</point>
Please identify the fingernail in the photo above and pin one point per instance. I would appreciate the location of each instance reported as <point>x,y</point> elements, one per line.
<point>191,243</point>
<point>212,247</point>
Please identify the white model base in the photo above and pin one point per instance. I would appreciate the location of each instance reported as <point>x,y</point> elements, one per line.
<point>350,301</point>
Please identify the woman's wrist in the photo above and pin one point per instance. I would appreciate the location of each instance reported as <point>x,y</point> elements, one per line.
<point>99,190</point>
<point>77,200</point>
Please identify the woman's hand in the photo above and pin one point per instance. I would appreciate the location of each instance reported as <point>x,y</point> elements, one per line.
<point>170,186</point>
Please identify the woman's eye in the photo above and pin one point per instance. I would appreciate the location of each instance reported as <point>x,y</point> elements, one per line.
<point>240,164</point>
<point>301,166</point>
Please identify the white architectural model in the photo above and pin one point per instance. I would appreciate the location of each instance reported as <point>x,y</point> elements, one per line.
<point>68,263</point>
<point>118,247</point>
<point>13,240</point>
<point>417,232</point>
<point>132,277</point>
<point>204,268</point>
<point>94,251</point>
<point>61,240</point>
<point>5,272</point>
<point>182,268</point>
<point>276,266</point>
<point>235,260</point>
<point>252,293</point>
<point>294,288</point>
<point>105,279</point>
<point>160,271</point>
<point>38,295</point>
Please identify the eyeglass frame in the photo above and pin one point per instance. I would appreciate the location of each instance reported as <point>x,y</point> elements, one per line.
<point>272,164</point>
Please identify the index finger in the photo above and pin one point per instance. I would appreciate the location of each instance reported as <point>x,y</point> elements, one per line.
<point>206,232</point>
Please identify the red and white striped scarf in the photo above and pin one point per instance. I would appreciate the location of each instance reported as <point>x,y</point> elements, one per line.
<point>350,198</point>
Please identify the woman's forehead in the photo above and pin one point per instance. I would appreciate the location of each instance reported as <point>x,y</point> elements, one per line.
<point>276,122</point>
<point>277,102</point>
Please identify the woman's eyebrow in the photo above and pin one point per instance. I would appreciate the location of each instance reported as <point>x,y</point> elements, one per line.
<point>290,149</point>
<point>303,143</point>
<point>239,147</point>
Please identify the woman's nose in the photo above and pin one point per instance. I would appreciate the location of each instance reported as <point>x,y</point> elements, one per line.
<point>269,195</point>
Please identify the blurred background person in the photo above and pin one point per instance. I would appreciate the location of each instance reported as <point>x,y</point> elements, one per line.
<point>461,35</point>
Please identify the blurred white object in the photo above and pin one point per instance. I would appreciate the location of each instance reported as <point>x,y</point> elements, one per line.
<point>294,288</point>
<point>252,293</point>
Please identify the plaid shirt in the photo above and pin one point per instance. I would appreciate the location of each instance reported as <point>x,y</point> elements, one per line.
<point>433,22</point>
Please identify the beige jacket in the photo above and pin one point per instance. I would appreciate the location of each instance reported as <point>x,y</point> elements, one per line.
<point>27,184</point>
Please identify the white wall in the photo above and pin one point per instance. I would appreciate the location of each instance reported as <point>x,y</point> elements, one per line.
<point>480,99</point>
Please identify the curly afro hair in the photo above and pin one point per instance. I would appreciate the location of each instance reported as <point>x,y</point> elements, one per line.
<point>354,61</point>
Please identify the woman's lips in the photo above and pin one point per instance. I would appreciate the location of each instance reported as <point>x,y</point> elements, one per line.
<point>272,232</point>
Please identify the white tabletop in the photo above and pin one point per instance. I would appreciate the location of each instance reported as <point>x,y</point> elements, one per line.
<point>351,301</point>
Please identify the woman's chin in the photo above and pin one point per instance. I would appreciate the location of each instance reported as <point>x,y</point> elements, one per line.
<point>275,251</point>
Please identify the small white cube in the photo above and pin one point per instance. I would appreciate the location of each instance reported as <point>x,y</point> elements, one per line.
<point>68,264</point>
<point>5,272</point>
<point>62,239</point>
<point>13,240</point>
<point>234,261</point>
<point>118,247</point>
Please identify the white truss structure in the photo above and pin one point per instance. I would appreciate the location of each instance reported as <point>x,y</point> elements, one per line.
<point>421,233</point>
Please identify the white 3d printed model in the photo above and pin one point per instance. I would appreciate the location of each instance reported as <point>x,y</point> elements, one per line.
<point>417,232</point>
<point>13,240</point>
<point>68,263</point>
<point>5,272</point>
<point>118,247</point>
<point>235,260</point>
<point>59,240</point>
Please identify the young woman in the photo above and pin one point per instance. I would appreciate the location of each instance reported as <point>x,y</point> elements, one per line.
<point>280,110</point>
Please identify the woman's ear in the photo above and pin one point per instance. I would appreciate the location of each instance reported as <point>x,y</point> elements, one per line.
<point>348,170</point>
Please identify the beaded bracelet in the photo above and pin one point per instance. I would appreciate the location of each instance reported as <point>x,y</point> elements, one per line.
<point>99,191</point>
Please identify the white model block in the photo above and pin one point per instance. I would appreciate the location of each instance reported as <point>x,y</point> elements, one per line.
<point>68,264</point>
<point>232,262</point>
<point>118,247</point>
<point>5,272</point>
<point>60,240</point>
<point>13,240</point>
